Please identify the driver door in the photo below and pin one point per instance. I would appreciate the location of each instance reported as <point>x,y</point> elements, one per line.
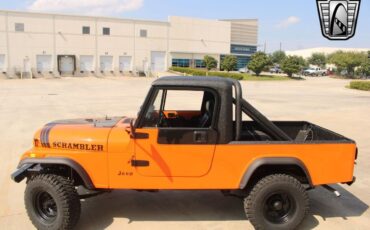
<point>172,142</point>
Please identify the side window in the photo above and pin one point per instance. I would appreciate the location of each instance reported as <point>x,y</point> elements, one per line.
<point>183,100</point>
<point>151,117</point>
<point>180,109</point>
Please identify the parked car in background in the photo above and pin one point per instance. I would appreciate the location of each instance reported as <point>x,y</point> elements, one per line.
<point>315,71</point>
<point>275,69</point>
<point>244,70</point>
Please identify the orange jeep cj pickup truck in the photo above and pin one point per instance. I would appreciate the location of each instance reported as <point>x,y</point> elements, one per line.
<point>190,133</point>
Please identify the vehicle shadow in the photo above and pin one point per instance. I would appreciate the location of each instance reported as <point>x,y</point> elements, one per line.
<point>98,212</point>
<point>131,206</point>
<point>325,205</point>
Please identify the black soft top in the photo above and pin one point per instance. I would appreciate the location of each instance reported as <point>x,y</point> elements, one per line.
<point>224,86</point>
<point>218,83</point>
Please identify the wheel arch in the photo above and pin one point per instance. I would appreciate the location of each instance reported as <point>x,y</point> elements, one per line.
<point>29,164</point>
<point>269,165</point>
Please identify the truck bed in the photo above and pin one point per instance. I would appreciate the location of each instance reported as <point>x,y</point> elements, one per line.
<point>298,131</point>
<point>314,132</point>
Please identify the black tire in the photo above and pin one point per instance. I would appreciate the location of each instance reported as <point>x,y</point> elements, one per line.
<point>277,201</point>
<point>52,202</point>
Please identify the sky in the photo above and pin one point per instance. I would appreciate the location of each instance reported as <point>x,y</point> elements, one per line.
<point>293,23</point>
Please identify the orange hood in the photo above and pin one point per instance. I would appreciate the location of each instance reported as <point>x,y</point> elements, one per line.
<point>76,134</point>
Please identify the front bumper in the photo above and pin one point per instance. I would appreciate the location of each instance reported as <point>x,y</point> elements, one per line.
<point>19,174</point>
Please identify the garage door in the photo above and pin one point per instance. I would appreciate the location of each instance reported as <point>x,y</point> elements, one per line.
<point>125,63</point>
<point>44,63</point>
<point>158,61</point>
<point>87,63</point>
<point>2,63</point>
<point>66,64</point>
<point>106,63</point>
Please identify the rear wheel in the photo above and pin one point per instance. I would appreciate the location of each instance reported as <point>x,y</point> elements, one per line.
<point>52,202</point>
<point>277,202</point>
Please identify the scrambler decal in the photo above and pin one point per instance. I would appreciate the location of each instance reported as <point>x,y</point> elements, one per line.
<point>45,133</point>
<point>77,146</point>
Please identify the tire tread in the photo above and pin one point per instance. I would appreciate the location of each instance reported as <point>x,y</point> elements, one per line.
<point>271,179</point>
<point>71,206</point>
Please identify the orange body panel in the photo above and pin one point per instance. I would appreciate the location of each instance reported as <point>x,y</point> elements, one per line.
<point>107,153</point>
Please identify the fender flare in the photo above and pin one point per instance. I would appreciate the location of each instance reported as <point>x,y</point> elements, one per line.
<point>273,161</point>
<point>28,163</point>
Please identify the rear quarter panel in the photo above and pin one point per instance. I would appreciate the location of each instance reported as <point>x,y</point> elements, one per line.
<point>326,162</point>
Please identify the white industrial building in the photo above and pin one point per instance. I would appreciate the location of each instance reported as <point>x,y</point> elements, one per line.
<point>306,53</point>
<point>59,44</point>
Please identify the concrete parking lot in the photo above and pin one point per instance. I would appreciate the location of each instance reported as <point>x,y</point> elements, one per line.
<point>26,105</point>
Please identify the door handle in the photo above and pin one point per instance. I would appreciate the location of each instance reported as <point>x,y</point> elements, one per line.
<point>200,137</point>
<point>139,163</point>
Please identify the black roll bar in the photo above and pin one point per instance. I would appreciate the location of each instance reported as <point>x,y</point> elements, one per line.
<point>238,111</point>
<point>266,124</point>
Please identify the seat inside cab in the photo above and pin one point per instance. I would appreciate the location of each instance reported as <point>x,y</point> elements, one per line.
<point>181,109</point>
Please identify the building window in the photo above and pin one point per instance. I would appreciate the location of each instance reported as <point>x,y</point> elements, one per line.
<point>242,61</point>
<point>181,62</point>
<point>199,63</point>
<point>143,33</point>
<point>86,30</point>
<point>106,31</point>
<point>19,27</point>
<point>242,49</point>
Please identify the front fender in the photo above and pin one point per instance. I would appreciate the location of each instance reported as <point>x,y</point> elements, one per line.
<point>28,164</point>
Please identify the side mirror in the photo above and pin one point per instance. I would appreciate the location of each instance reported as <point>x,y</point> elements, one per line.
<point>131,130</point>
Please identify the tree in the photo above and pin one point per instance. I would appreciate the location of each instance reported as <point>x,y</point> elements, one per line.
<point>229,63</point>
<point>303,62</point>
<point>292,64</point>
<point>210,62</point>
<point>278,57</point>
<point>318,59</point>
<point>259,61</point>
<point>347,61</point>
<point>364,69</point>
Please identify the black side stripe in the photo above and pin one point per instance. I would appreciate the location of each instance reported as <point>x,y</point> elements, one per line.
<point>47,135</point>
<point>44,136</point>
<point>45,132</point>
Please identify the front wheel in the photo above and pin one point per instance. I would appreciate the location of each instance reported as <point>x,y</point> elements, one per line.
<point>277,201</point>
<point>52,202</point>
